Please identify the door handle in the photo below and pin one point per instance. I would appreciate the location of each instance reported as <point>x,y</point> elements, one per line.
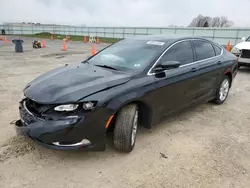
<point>193,70</point>
<point>219,62</point>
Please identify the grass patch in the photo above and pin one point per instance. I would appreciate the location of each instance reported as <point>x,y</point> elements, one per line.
<point>47,35</point>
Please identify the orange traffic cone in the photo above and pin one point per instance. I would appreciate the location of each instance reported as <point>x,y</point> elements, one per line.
<point>51,37</point>
<point>66,38</point>
<point>97,40</point>
<point>1,38</point>
<point>64,47</point>
<point>6,39</point>
<point>228,46</point>
<point>85,39</point>
<point>43,44</point>
<point>93,52</point>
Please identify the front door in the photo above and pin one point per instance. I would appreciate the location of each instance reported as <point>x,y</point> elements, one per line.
<point>176,88</point>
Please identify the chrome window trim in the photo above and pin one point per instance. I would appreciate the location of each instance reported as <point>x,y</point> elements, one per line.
<point>150,73</point>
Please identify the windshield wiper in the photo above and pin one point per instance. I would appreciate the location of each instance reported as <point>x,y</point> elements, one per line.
<point>85,62</point>
<point>106,66</point>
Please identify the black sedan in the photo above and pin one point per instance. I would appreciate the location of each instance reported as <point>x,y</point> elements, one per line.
<point>137,81</point>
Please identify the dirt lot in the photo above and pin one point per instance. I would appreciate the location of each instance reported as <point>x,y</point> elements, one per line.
<point>207,146</point>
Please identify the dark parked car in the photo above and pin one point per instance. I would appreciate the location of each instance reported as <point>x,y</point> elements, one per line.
<point>137,81</point>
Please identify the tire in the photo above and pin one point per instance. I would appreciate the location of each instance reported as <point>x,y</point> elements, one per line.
<point>223,90</point>
<point>126,128</point>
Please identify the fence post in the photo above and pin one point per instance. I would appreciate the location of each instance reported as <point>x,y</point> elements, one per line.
<point>213,33</point>
<point>43,28</point>
<point>75,31</point>
<point>32,29</point>
<point>7,28</point>
<point>134,31</point>
<point>237,35</point>
<point>123,32</point>
<point>193,31</point>
<point>161,31</point>
<point>175,30</point>
<point>113,32</point>
<point>21,29</point>
<point>147,31</point>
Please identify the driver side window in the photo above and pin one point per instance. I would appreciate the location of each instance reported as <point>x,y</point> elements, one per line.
<point>181,52</point>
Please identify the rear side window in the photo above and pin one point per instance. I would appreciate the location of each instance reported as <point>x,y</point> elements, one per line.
<point>204,50</point>
<point>217,50</point>
<point>181,52</point>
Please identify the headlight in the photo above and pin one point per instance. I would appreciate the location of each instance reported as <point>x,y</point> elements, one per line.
<point>66,107</point>
<point>89,105</point>
<point>236,50</point>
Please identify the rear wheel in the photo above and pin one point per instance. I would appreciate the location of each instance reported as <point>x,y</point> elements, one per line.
<point>223,90</point>
<point>126,128</point>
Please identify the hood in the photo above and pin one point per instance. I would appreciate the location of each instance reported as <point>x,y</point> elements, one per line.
<point>72,83</point>
<point>243,46</point>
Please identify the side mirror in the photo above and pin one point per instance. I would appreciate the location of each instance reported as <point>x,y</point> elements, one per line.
<point>243,39</point>
<point>167,65</point>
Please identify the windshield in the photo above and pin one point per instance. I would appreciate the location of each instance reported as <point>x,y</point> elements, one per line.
<point>127,55</point>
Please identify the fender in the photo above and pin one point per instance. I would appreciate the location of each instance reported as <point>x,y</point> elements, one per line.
<point>145,109</point>
<point>227,71</point>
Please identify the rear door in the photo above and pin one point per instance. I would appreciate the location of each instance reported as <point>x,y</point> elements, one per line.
<point>208,57</point>
<point>176,87</point>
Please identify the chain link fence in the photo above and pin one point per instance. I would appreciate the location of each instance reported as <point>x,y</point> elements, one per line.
<point>219,35</point>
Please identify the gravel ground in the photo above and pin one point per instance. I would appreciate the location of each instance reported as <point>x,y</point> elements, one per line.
<point>206,146</point>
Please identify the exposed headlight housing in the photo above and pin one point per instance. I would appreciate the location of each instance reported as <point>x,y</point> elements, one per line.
<point>66,107</point>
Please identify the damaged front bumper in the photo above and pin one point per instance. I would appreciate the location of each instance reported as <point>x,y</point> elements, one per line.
<point>70,133</point>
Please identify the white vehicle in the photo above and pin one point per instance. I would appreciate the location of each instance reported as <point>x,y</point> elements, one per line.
<point>242,50</point>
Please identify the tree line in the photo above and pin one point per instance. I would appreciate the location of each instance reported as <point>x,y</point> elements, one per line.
<point>207,21</point>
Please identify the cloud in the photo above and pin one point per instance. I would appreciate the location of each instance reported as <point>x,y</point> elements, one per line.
<point>158,13</point>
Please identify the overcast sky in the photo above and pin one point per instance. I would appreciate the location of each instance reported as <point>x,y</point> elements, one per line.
<point>122,12</point>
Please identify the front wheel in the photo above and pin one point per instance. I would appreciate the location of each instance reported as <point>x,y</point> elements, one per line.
<point>222,91</point>
<point>126,128</point>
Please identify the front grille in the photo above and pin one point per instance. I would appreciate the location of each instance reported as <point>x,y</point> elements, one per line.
<point>245,54</point>
<point>26,116</point>
<point>31,111</point>
<point>36,108</point>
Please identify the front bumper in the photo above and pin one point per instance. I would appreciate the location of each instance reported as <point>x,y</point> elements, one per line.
<point>85,133</point>
<point>244,61</point>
